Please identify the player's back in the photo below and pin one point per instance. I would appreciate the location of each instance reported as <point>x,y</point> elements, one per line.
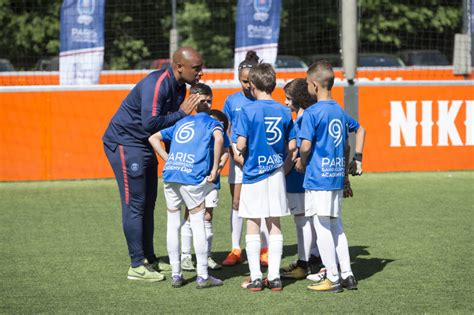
<point>267,125</point>
<point>232,107</point>
<point>189,157</point>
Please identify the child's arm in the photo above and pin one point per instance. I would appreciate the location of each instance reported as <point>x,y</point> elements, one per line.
<point>155,141</point>
<point>238,158</point>
<point>355,167</point>
<point>241,145</point>
<point>290,161</point>
<point>305,149</point>
<point>223,160</point>
<point>347,191</point>
<point>218,146</point>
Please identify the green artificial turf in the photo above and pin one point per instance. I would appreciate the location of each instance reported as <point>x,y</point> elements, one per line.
<point>410,237</point>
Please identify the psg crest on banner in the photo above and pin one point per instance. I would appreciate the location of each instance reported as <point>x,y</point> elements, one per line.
<point>262,7</point>
<point>85,10</point>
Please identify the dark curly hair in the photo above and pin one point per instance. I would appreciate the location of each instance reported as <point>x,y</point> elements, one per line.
<point>297,89</point>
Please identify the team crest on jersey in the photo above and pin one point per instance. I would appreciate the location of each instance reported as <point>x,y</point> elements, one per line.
<point>262,7</point>
<point>335,130</point>
<point>85,9</point>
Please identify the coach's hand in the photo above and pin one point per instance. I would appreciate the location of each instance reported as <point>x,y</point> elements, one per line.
<point>347,192</point>
<point>299,167</point>
<point>190,103</point>
<point>355,166</point>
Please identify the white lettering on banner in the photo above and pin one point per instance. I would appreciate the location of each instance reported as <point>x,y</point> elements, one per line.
<point>84,35</point>
<point>403,123</point>
<point>259,31</point>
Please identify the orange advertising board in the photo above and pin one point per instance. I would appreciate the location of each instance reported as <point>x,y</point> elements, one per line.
<point>52,133</point>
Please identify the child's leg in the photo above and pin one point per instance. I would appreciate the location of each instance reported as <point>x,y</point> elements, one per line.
<point>172,240</point>
<point>275,247</point>
<point>186,236</point>
<point>326,246</point>
<point>342,247</point>
<point>208,227</point>
<point>253,246</point>
<point>314,237</point>
<point>196,218</point>
<point>236,222</point>
<point>303,232</point>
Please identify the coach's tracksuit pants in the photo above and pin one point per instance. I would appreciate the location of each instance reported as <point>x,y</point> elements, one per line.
<point>136,172</point>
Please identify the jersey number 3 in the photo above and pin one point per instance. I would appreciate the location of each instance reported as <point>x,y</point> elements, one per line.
<point>273,133</point>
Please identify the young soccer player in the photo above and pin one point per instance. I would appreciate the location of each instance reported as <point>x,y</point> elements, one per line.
<point>298,99</point>
<point>265,137</point>
<point>188,178</point>
<point>232,107</point>
<point>212,198</point>
<point>324,131</point>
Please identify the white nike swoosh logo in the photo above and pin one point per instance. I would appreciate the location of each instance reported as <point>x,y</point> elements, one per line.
<point>237,109</point>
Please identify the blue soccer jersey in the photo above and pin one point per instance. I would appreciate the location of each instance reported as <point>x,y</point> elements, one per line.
<point>294,179</point>
<point>268,127</point>
<point>327,126</point>
<point>191,140</point>
<point>232,107</point>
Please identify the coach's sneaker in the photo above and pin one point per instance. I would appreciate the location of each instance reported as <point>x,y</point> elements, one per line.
<point>208,283</point>
<point>187,263</point>
<point>274,285</point>
<point>290,267</point>
<point>315,264</point>
<point>212,264</point>
<point>264,257</point>
<point>177,281</point>
<point>296,273</point>
<point>233,258</point>
<point>350,283</point>
<point>144,273</point>
<point>326,286</point>
<point>255,285</point>
<point>158,265</point>
<point>317,277</point>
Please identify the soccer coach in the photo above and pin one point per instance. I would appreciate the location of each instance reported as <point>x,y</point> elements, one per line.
<point>155,103</point>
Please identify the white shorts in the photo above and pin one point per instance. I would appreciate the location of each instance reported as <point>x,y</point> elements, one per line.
<point>295,203</point>
<point>235,171</point>
<point>266,198</point>
<point>323,203</point>
<point>212,199</point>
<point>191,196</point>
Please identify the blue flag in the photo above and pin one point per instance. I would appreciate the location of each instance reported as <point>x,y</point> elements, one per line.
<point>82,41</point>
<point>257,28</point>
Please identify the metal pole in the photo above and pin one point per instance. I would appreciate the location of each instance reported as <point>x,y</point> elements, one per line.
<point>349,38</point>
<point>174,31</point>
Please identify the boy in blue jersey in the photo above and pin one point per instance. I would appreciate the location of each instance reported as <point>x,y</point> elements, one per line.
<point>232,107</point>
<point>188,177</point>
<point>213,197</point>
<point>265,137</point>
<point>324,131</point>
<point>298,99</point>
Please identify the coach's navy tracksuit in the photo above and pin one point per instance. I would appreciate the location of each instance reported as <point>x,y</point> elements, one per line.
<point>152,105</point>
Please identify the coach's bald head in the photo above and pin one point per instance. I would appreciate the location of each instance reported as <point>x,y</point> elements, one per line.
<point>187,65</point>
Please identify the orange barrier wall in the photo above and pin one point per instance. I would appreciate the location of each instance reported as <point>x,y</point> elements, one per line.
<point>418,128</point>
<point>133,76</point>
<point>51,135</point>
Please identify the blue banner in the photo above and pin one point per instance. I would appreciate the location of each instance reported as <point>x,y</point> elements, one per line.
<point>82,41</point>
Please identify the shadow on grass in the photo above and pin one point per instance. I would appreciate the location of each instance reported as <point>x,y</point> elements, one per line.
<point>364,268</point>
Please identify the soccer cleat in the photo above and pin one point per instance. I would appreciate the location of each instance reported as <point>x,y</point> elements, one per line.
<point>177,281</point>
<point>326,286</point>
<point>274,285</point>
<point>264,257</point>
<point>255,285</point>
<point>296,273</point>
<point>187,263</point>
<point>350,283</point>
<point>212,264</point>
<point>208,283</point>
<point>144,273</point>
<point>245,283</point>
<point>318,277</point>
<point>290,267</point>
<point>233,258</point>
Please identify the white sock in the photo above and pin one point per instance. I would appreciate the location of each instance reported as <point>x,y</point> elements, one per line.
<point>275,250</point>
<point>326,246</point>
<point>186,238</point>
<point>342,247</point>
<point>252,248</point>
<point>236,224</point>
<point>314,237</point>
<point>264,234</point>
<point>172,241</point>
<point>209,234</point>
<point>303,231</point>
<point>200,243</point>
